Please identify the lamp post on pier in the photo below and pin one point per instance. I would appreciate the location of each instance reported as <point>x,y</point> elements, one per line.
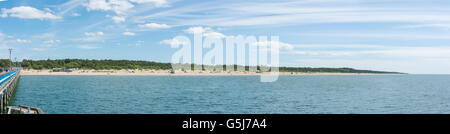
<point>10,63</point>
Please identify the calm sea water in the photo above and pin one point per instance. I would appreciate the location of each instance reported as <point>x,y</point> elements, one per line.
<point>236,94</point>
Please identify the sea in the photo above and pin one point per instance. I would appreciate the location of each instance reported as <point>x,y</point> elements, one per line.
<point>324,94</point>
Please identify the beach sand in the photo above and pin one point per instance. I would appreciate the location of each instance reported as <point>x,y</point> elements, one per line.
<point>168,73</point>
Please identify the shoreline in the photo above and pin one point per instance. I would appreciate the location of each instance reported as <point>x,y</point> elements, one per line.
<point>167,73</point>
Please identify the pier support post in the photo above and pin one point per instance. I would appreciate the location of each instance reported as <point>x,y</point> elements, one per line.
<point>1,103</point>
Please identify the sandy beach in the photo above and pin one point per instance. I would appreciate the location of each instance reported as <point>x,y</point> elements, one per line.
<point>168,73</point>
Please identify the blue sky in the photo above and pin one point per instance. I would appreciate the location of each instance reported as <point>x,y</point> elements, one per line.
<point>410,36</point>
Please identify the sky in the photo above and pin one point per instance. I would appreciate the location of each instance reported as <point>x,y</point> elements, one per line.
<point>411,36</point>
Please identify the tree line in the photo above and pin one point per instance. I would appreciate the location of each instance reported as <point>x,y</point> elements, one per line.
<point>131,64</point>
<point>5,63</point>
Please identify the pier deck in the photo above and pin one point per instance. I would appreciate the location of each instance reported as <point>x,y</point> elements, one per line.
<point>8,82</point>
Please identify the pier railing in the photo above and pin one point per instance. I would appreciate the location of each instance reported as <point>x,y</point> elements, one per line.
<point>8,83</point>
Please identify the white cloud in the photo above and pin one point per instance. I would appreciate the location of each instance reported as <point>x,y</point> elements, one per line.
<point>250,13</point>
<point>419,52</point>
<point>51,43</point>
<point>155,26</point>
<point>87,47</point>
<point>129,33</point>
<point>381,51</point>
<point>138,43</point>
<point>45,35</point>
<point>93,33</point>
<point>118,6</point>
<point>2,36</point>
<point>26,12</point>
<point>325,46</point>
<point>156,3</point>
<point>2,0</point>
<point>279,45</point>
<point>92,37</point>
<point>194,30</point>
<point>444,26</point>
<point>39,49</point>
<point>214,35</point>
<point>69,7</point>
<point>407,36</point>
<point>76,14</point>
<point>22,41</point>
<point>173,42</point>
<point>118,19</point>
<point>206,31</point>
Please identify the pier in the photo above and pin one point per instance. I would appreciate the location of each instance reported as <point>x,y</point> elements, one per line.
<point>8,82</point>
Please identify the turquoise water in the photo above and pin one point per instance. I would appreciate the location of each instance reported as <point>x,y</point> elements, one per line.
<point>236,94</point>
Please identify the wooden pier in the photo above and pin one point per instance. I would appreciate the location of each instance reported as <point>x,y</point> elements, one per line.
<point>8,82</point>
